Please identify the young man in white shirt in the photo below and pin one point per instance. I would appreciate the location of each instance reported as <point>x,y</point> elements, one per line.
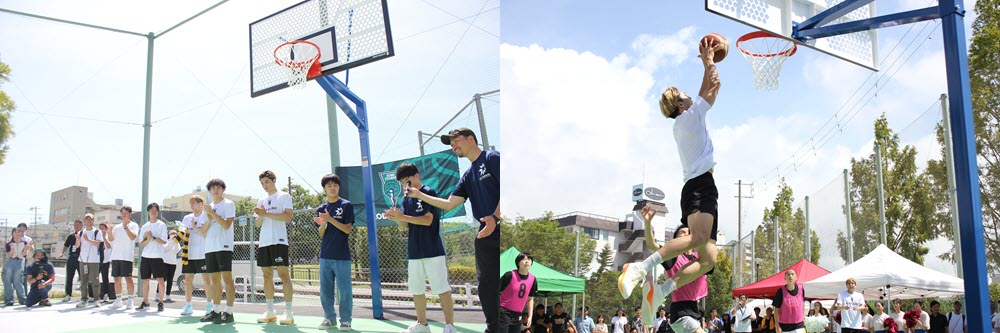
<point>123,238</point>
<point>272,214</point>
<point>90,261</point>
<point>151,266</point>
<point>742,316</point>
<point>850,303</point>
<point>219,253</point>
<point>699,196</point>
<point>956,320</point>
<point>192,240</point>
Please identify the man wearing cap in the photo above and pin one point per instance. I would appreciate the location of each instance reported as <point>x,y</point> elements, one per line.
<point>481,186</point>
<point>41,275</point>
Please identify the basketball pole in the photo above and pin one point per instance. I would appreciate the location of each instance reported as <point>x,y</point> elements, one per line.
<point>952,15</point>
<point>338,91</point>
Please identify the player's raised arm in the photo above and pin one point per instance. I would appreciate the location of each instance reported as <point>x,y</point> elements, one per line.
<point>710,82</point>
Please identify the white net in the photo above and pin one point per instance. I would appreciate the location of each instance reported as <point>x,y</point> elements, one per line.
<point>765,54</point>
<point>298,57</point>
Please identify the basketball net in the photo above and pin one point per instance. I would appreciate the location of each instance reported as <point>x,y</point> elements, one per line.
<point>299,57</point>
<point>765,53</point>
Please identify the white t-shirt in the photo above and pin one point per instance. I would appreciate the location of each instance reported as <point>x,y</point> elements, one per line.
<point>123,248</point>
<point>739,324</point>
<point>900,322</point>
<point>925,318</point>
<point>878,321</point>
<point>170,252</point>
<point>693,143</point>
<point>196,242</point>
<point>88,251</point>
<point>107,251</point>
<point>274,231</point>
<point>867,321</point>
<point>851,318</point>
<point>153,249</point>
<point>956,322</point>
<point>618,324</point>
<point>996,321</point>
<point>218,238</point>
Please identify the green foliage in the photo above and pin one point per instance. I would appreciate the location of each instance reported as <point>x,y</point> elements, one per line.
<point>912,218</point>
<point>245,207</point>
<point>6,109</point>
<point>461,273</point>
<point>604,259</point>
<point>603,296</point>
<point>549,244</point>
<point>720,285</point>
<point>792,247</point>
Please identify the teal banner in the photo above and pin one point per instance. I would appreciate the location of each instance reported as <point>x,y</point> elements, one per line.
<point>439,171</point>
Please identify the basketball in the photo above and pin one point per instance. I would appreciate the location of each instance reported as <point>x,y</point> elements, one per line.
<point>719,43</point>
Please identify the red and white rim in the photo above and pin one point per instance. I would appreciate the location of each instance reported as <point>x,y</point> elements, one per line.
<point>764,34</point>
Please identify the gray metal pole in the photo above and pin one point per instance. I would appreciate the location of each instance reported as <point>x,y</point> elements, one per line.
<point>881,192</point>
<point>420,141</point>
<point>753,256</point>
<point>145,133</point>
<point>808,233</point>
<point>576,262</point>
<point>777,246</point>
<point>331,124</point>
<point>952,190</point>
<point>847,212</point>
<point>482,121</point>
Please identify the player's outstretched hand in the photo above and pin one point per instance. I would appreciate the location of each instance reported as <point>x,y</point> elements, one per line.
<point>707,51</point>
<point>491,224</point>
<point>648,214</point>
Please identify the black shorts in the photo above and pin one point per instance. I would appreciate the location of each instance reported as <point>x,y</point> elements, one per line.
<point>272,255</point>
<point>510,318</point>
<point>701,195</point>
<point>152,268</point>
<point>194,267</point>
<point>121,268</point>
<point>217,262</point>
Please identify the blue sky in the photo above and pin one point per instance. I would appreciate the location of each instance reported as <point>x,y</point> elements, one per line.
<point>582,79</point>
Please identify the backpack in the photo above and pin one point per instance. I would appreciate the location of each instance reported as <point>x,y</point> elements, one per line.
<point>100,247</point>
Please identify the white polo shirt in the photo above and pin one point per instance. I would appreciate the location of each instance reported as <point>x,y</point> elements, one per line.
<point>693,143</point>
<point>274,231</point>
<point>218,238</point>
<point>851,318</point>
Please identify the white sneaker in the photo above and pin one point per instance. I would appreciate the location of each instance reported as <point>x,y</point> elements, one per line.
<point>66,300</point>
<point>417,328</point>
<point>652,299</point>
<point>450,329</point>
<point>188,310</point>
<point>268,317</point>
<point>82,304</point>
<point>632,275</point>
<point>105,299</point>
<point>345,326</point>
<point>289,319</point>
<point>117,304</point>
<point>326,324</point>
<point>129,305</point>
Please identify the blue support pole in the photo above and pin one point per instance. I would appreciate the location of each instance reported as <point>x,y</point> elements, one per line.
<point>966,166</point>
<point>891,20</point>
<point>338,91</point>
<point>833,13</point>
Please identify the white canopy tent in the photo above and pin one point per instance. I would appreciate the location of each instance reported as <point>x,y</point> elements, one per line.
<point>884,272</point>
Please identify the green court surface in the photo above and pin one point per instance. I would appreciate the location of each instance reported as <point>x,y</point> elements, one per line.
<point>247,323</point>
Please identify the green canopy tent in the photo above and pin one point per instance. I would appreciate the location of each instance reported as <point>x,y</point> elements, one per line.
<point>550,281</point>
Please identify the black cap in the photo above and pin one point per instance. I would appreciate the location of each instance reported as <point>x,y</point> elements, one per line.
<point>446,139</point>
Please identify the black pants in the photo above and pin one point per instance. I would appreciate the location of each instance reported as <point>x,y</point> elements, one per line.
<point>171,269</point>
<point>488,273</point>
<point>106,287</point>
<point>510,321</point>
<point>72,267</point>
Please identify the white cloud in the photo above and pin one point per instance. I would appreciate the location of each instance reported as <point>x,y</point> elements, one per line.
<point>656,51</point>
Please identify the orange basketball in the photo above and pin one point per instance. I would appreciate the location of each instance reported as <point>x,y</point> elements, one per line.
<point>719,43</point>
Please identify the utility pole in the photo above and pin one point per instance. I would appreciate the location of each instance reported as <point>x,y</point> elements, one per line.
<point>35,223</point>
<point>739,233</point>
<point>289,185</point>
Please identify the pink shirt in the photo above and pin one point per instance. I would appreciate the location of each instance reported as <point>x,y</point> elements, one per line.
<point>790,311</point>
<point>515,296</point>
<point>693,291</point>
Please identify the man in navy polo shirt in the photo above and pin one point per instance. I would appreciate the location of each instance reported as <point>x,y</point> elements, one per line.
<point>425,250</point>
<point>481,186</point>
<point>335,220</point>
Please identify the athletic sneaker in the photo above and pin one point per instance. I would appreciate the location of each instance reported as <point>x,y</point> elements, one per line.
<point>345,326</point>
<point>326,324</point>
<point>82,304</point>
<point>209,317</point>
<point>143,306</point>
<point>268,317</point>
<point>66,299</point>
<point>159,307</point>
<point>223,318</point>
<point>117,304</point>
<point>129,304</point>
<point>417,328</point>
<point>450,329</point>
<point>187,310</point>
<point>96,303</point>
<point>651,299</point>
<point>289,319</point>
<point>632,275</point>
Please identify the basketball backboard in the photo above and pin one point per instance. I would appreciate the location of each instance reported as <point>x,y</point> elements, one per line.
<point>779,16</point>
<point>349,33</point>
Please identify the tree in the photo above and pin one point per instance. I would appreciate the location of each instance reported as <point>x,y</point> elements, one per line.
<point>549,244</point>
<point>603,296</point>
<point>245,207</point>
<point>604,260</point>
<point>984,75</point>
<point>720,285</point>
<point>911,214</point>
<point>6,109</point>
<point>792,247</point>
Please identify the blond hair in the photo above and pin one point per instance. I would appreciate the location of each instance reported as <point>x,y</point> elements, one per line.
<point>668,102</point>
<point>849,280</point>
<point>196,198</point>
<point>88,216</point>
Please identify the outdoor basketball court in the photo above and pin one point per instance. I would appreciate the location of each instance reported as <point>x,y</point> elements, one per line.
<point>65,317</point>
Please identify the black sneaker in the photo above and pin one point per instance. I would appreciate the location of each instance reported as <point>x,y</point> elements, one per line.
<point>159,307</point>
<point>223,318</point>
<point>210,317</point>
<point>143,306</point>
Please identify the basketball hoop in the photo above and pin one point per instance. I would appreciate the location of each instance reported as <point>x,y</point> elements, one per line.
<point>766,53</point>
<point>299,57</point>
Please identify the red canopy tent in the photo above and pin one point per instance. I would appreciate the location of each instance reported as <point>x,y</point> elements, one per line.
<point>766,288</point>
